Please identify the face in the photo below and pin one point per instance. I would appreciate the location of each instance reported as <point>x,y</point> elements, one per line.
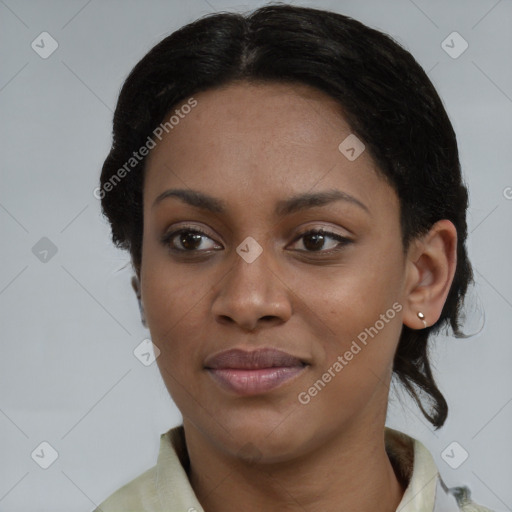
<point>253,266</point>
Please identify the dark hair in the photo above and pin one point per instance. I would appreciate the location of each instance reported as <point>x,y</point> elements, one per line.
<point>385,95</point>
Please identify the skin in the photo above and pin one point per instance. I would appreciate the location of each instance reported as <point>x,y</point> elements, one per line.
<point>252,146</point>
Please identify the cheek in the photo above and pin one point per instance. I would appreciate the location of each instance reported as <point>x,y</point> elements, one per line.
<point>168,290</point>
<point>174,307</point>
<point>354,298</point>
<point>175,316</point>
<point>354,367</point>
<point>361,312</point>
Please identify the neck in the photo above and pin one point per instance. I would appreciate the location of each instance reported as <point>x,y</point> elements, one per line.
<point>350,472</point>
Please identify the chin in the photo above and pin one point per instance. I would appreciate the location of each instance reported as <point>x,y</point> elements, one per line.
<point>264,438</point>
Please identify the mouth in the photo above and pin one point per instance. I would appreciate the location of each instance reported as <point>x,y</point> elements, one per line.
<point>255,372</point>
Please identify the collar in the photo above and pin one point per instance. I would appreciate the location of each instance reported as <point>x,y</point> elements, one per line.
<point>414,466</point>
<point>411,460</point>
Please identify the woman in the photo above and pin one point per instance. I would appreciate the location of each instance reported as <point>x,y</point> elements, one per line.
<point>289,188</point>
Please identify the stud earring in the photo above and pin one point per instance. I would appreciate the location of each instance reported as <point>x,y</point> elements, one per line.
<point>421,316</point>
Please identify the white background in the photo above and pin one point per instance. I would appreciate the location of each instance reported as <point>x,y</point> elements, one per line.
<point>68,375</point>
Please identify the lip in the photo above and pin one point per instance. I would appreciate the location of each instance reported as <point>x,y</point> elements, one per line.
<point>253,372</point>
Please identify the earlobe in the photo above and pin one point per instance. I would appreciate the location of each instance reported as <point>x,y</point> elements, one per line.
<point>432,261</point>
<point>421,316</point>
<point>136,289</point>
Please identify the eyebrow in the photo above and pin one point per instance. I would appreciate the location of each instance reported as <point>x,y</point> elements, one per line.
<point>283,207</point>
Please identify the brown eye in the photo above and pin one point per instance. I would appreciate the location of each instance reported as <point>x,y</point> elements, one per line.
<point>315,241</point>
<point>187,240</point>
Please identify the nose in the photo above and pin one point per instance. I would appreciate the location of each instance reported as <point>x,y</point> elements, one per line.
<point>252,294</point>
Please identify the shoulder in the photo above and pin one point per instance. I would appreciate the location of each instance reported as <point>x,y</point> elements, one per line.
<point>162,488</point>
<point>425,489</point>
<point>140,494</point>
<point>456,499</point>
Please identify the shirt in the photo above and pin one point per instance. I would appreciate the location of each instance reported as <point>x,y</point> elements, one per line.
<point>166,488</point>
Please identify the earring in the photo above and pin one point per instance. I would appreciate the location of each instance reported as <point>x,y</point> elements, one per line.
<point>421,316</point>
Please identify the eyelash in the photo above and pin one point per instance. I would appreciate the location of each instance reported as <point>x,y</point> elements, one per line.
<point>343,241</point>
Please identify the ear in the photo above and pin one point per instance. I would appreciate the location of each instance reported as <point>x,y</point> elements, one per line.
<point>431,263</point>
<point>136,289</point>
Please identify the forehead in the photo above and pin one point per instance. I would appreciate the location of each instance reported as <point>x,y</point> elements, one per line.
<point>249,137</point>
<point>294,113</point>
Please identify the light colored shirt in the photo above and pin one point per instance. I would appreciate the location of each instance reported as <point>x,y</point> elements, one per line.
<point>166,488</point>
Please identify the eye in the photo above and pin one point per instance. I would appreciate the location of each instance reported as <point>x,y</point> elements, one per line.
<point>314,241</point>
<point>187,240</point>
<point>191,240</point>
